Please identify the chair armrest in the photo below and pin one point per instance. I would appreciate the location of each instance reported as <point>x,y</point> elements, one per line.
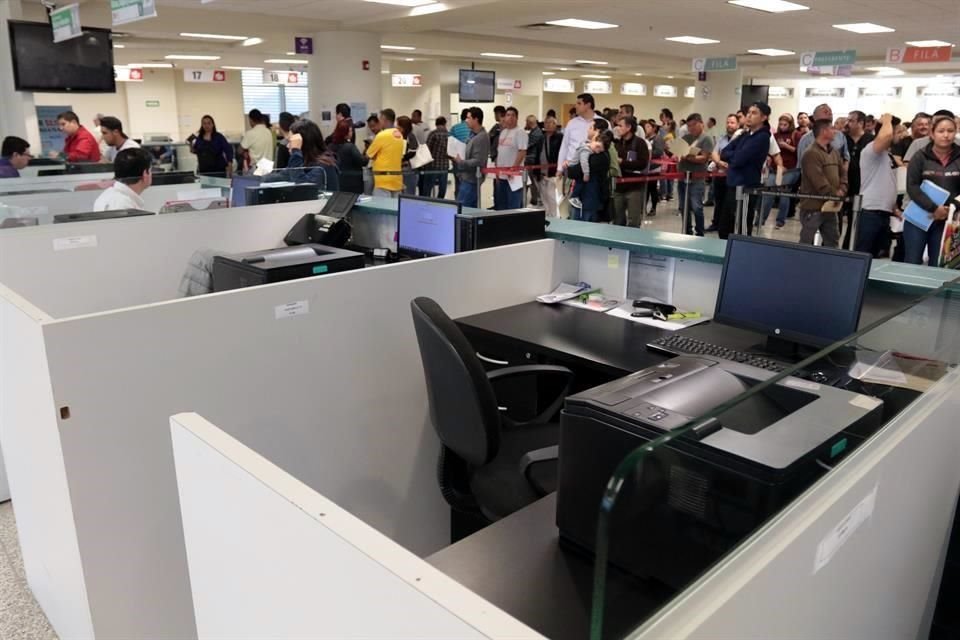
<point>535,370</point>
<point>531,458</point>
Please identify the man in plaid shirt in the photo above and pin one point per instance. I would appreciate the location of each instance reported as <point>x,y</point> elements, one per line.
<point>435,173</point>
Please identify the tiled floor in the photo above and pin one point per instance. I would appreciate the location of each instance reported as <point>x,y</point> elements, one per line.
<point>20,615</point>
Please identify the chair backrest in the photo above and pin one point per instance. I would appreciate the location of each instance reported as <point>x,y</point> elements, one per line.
<point>463,407</point>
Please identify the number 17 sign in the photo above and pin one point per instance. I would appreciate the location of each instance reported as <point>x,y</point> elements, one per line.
<point>204,75</point>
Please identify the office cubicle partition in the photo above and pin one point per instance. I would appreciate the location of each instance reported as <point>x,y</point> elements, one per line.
<point>304,567</point>
<point>321,376</point>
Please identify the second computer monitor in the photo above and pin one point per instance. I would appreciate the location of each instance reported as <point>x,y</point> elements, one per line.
<point>426,227</point>
<point>796,293</point>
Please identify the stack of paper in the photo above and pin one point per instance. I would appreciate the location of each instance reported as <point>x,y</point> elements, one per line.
<point>916,215</point>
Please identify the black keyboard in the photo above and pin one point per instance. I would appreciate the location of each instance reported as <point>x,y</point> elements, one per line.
<point>680,345</point>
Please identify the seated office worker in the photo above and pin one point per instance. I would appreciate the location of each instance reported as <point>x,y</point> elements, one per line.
<point>386,153</point>
<point>14,156</point>
<point>132,176</point>
<point>822,174</point>
<point>113,136</point>
<point>310,161</point>
<point>477,152</point>
<point>878,188</point>
<point>80,145</point>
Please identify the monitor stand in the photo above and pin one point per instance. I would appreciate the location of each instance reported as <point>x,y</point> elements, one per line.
<point>782,348</point>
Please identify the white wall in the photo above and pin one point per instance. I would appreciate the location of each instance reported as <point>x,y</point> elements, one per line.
<point>223,101</point>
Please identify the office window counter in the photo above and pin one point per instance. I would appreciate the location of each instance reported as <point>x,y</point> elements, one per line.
<point>671,476</point>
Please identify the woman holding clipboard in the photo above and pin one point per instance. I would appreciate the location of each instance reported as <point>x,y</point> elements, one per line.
<point>938,163</point>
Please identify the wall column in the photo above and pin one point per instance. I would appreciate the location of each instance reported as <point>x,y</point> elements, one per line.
<point>337,74</point>
<point>718,96</point>
<point>18,117</point>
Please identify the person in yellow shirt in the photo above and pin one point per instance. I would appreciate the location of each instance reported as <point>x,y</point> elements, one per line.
<point>386,152</point>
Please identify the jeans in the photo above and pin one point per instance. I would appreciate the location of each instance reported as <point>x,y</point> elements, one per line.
<point>590,199</point>
<point>694,194</point>
<point>628,207</point>
<point>727,212</point>
<point>872,231</point>
<point>410,181</point>
<point>719,195</point>
<point>431,180</point>
<point>505,198</point>
<point>915,240</point>
<point>468,194</point>
<point>790,177</point>
<point>825,223</point>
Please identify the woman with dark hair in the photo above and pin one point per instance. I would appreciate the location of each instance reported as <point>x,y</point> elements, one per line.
<point>214,153</point>
<point>309,159</point>
<point>284,123</point>
<point>938,162</point>
<point>349,158</point>
<point>596,192</point>
<point>410,176</point>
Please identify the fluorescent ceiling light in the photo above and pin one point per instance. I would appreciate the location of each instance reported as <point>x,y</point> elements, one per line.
<point>638,74</point>
<point>291,53</point>
<point>119,46</point>
<point>549,73</point>
<point>242,68</point>
<point>402,3</point>
<point>864,27</point>
<point>692,40</point>
<point>212,36</point>
<point>576,23</point>
<point>599,77</point>
<point>179,56</point>
<point>286,61</point>
<point>564,69</point>
<point>150,65</point>
<point>886,71</point>
<point>250,42</point>
<point>772,52</point>
<point>501,55</point>
<point>427,9</point>
<point>591,62</point>
<point>669,77</point>
<point>929,43</point>
<point>397,47</point>
<point>408,59</point>
<point>770,6</point>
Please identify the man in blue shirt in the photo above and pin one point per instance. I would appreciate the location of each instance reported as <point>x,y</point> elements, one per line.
<point>745,156</point>
<point>461,131</point>
<point>14,156</point>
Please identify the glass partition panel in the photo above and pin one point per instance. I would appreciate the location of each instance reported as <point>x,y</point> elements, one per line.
<point>688,460</point>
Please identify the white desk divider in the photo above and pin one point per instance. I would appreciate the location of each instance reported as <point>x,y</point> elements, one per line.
<point>859,556</point>
<point>39,183</point>
<point>45,205</point>
<point>334,395</point>
<point>269,557</point>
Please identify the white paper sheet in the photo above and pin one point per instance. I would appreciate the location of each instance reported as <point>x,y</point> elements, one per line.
<point>455,148</point>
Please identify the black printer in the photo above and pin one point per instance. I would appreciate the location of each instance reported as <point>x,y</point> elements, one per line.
<point>278,265</point>
<point>695,497</point>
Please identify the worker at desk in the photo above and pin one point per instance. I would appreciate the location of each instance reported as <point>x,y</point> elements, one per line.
<point>132,176</point>
<point>14,156</point>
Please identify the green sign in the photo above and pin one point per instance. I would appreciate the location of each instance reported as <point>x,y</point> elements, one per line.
<point>701,65</point>
<point>153,103</point>
<point>828,58</point>
<point>125,11</point>
<point>66,22</point>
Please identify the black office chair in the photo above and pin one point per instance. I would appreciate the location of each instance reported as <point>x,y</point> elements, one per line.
<point>490,465</point>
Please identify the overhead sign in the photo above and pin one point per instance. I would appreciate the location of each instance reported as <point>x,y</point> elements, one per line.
<point>558,85</point>
<point>909,55</point>
<point>125,11</point>
<point>204,75</point>
<point>664,91</point>
<point>128,74</point>
<point>780,92</point>
<point>597,86</point>
<point>66,22</point>
<point>939,90</point>
<point>880,92</point>
<point>303,45</point>
<point>633,89</point>
<point>282,77</point>
<point>414,80</point>
<point>824,92</point>
<point>508,84</point>
<point>827,58</point>
<point>702,65</point>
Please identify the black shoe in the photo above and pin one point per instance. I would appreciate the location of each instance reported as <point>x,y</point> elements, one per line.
<point>709,204</point>
<point>711,229</point>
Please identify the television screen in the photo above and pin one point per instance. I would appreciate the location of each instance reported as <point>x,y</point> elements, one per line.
<point>751,93</point>
<point>477,86</point>
<point>82,64</point>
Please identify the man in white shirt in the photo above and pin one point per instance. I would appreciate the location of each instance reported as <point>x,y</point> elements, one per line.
<point>114,138</point>
<point>258,142</point>
<point>575,133</point>
<point>420,128</point>
<point>132,176</point>
<point>512,152</point>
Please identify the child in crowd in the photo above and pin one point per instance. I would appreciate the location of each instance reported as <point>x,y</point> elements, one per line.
<point>579,173</point>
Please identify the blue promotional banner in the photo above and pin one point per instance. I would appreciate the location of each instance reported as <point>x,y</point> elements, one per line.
<point>51,138</point>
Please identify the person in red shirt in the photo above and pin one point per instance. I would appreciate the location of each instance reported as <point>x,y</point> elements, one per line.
<point>80,145</point>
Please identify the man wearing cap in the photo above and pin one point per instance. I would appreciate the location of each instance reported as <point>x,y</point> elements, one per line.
<point>745,156</point>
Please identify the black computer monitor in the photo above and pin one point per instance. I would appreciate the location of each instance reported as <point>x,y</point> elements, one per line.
<point>161,178</point>
<point>274,194</point>
<point>426,227</point>
<point>796,294</point>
